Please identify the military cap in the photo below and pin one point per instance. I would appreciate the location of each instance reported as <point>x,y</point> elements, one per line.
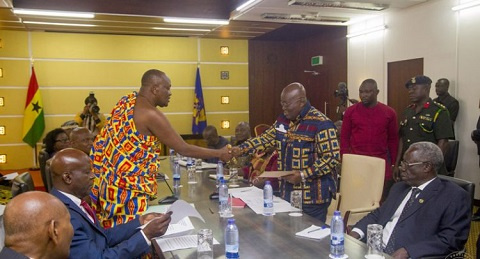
<point>418,80</point>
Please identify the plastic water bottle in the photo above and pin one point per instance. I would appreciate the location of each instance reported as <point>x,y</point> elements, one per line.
<point>222,197</point>
<point>231,240</point>
<point>337,248</point>
<point>219,171</point>
<point>191,171</point>
<point>268,199</point>
<point>172,154</point>
<point>176,175</point>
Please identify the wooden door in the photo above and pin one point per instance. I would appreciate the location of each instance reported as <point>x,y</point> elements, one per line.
<point>399,72</point>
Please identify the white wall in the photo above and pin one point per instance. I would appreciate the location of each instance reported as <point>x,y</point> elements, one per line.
<point>449,43</point>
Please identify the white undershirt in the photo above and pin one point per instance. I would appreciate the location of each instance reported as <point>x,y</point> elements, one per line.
<point>387,230</point>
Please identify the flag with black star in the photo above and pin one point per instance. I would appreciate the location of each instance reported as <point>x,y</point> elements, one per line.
<point>33,119</point>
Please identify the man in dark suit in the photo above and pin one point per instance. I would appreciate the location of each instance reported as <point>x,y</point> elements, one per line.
<point>37,225</point>
<point>423,214</point>
<point>72,181</point>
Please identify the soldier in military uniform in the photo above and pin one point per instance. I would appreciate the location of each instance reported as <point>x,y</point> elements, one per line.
<point>424,120</point>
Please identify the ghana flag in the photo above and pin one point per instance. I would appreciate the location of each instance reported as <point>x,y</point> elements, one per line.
<point>33,120</point>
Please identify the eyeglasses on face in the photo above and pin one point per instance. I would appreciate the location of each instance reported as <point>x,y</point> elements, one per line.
<point>407,165</point>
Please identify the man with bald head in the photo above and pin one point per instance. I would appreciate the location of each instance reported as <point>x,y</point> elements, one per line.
<point>37,225</point>
<point>126,153</point>
<point>82,139</point>
<point>72,182</point>
<point>306,142</point>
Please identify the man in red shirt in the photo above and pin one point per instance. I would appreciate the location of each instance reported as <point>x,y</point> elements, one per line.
<point>370,128</point>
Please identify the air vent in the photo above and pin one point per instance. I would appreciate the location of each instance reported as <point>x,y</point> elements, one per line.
<point>303,18</point>
<point>340,4</point>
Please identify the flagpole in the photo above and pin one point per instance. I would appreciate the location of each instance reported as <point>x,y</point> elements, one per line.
<point>35,157</point>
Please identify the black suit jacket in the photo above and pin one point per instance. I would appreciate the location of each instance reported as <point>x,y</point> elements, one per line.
<point>437,223</point>
<point>8,253</point>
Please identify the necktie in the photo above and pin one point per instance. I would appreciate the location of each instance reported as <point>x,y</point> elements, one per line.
<point>88,209</point>
<point>391,242</point>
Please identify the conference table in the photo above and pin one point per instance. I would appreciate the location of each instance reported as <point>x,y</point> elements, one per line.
<point>260,236</point>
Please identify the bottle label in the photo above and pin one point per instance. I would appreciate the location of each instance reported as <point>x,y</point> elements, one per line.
<point>231,249</point>
<point>337,239</point>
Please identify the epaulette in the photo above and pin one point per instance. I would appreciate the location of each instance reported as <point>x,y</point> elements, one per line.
<point>440,105</point>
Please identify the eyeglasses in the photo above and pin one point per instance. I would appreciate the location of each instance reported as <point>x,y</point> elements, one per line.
<point>406,165</point>
<point>63,140</point>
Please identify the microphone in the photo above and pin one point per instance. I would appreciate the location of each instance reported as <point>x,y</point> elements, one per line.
<point>169,199</point>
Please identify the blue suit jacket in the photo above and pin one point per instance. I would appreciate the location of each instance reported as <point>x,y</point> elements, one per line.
<point>437,223</point>
<point>8,253</point>
<point>92,241</point>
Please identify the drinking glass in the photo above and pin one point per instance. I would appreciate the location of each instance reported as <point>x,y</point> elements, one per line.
<point>226,211</point>
<point>296,202</point>
<point>205,244</point>
<point>374,241</point>
<point>233,172</point>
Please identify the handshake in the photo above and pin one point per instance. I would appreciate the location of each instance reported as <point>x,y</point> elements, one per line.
<point>230,153</point>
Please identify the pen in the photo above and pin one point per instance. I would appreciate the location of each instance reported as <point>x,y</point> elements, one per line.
<point>316,229</point>
<point>211,211</point>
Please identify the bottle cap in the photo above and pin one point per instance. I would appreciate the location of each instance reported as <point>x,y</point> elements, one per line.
<point>231,221</point>
<point>337,213</point>
<point>222,180</point>
<point>267,182</point>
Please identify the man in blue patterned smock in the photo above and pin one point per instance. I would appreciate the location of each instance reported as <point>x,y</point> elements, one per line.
<point>307,144</point>
<point>424,120</point>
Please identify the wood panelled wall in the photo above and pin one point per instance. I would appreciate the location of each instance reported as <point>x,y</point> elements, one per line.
<point>281,58</point>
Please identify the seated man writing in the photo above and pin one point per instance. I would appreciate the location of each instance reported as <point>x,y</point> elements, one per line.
<point>423,215</point>
<point>72,181</point>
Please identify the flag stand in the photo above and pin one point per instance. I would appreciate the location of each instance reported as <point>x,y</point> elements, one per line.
<point>35,166</point>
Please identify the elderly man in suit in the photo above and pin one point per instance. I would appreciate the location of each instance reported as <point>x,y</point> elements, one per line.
<point>37,225</point>
<point>72,181</point>
<point>423,214</point>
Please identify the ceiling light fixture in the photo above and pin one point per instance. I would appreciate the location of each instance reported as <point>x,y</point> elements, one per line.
<point>374,29</point>
<point>54,13</point>
<point>60,24</point>
<point>465,5</point>
<point>179,29</point>
<point>247,4</point>
<point>196,21</point>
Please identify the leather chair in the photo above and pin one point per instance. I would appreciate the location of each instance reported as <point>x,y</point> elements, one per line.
<point>451,156</point>
<point>362,187</point>
<point>43,157</point>
<point>22,183</point>
<point>466,185</point>
<point>260,128</point>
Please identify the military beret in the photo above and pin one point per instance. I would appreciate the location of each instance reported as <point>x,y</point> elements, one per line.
<point>418,80</point>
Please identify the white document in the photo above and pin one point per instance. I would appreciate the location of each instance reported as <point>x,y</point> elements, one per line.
<point>181,228</point>
<point>204,165</point>
<point>157,209</point>
<point>253,197</point>
<point>314,232</point>
<point>10,177</point>
<point>2,209</point>
<point>182,209</point>
<point>181,242</point>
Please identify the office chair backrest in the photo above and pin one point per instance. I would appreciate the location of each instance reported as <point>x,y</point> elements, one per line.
<point>22,183</point>
<point>451,156</point>
<point>260,128</point>
<point>362,182</point>
<point>466,185</point>
<point>43,156</point>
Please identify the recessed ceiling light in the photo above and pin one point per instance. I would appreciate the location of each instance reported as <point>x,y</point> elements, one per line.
<point>196,21</point>
<point>61,24</point>
<point>179,29</point>
<point>54,13</point>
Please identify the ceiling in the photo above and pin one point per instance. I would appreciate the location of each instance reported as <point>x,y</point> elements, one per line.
<point>146,17</point>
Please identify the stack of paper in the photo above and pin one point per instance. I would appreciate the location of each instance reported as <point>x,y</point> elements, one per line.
<point>177,243</point>
<point>204,165</point>
<point>253,197</point>
<point>314,232</point>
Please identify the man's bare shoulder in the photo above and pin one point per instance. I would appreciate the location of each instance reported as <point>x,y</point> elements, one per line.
<point>146,116</point>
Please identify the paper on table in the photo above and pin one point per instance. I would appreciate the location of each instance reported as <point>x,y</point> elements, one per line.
<point>182,209</point>
<point>253,197</point>
<point>275,174</point>
<point>316,232</point>
<point>204,165</point>
<point>9,177</point>
<point>181,242</point>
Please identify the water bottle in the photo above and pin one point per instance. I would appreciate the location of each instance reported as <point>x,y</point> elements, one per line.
<point>222,197</point>
<point>231,240</point>
<point>172,154</point>
<point>337,248</point>
<point>176,175</point>
<point>219,171</point>
<point>268,199</point>
<point>191,171</point>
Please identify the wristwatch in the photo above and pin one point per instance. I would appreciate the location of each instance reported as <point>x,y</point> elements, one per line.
<point>303,176</point>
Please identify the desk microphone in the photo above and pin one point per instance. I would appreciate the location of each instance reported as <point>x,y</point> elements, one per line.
<point>169,199</point>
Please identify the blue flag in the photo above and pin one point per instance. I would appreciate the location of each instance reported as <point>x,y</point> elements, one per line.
<point>199,121</point>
